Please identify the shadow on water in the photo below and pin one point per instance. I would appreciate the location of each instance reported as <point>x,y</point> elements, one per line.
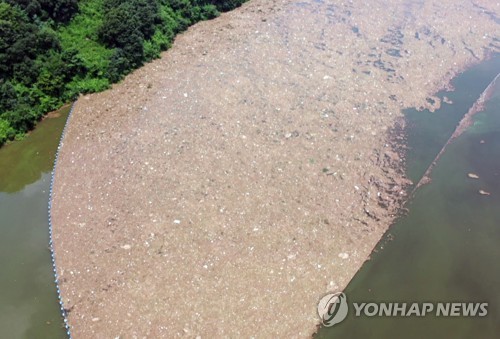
<point>24,162</point>
<point>29,307</point>
<point>446,248</point>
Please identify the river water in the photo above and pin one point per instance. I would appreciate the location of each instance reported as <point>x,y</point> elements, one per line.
<point>446,248</point>
<point>29,307</point>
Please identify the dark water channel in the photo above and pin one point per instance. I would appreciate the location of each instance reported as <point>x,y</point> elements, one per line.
<point>447,247</point>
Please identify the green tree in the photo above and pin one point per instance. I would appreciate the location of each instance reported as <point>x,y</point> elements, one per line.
<point>52,50</point>
<point>57,10</point>
<point>6,131</point>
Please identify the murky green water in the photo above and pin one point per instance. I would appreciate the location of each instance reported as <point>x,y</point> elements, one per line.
<point>29,306</point>
<point>447,248</point>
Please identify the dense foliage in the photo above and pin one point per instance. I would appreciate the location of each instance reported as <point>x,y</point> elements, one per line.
<point>53,50</point>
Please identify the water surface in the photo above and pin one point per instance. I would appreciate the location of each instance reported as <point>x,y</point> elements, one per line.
<point>447,247</point>
<point>29,307</point>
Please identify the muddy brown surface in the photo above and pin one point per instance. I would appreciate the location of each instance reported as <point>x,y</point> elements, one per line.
<point>221,190</point>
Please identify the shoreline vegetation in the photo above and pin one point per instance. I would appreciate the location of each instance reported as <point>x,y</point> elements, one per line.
<point>53,51</point>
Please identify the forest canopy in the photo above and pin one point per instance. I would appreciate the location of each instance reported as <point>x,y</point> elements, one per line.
<point>53,50</point>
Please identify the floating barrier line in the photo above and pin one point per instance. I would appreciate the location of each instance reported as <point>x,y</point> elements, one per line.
<point>52,254</point>
<point>462,126</point>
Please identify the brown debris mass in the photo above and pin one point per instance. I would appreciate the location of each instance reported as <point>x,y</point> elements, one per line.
<point>221,190</point>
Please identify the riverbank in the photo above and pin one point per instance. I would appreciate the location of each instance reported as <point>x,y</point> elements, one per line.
<point>252,178</point>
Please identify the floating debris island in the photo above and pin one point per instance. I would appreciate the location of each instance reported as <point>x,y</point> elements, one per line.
<point>252,168</point>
